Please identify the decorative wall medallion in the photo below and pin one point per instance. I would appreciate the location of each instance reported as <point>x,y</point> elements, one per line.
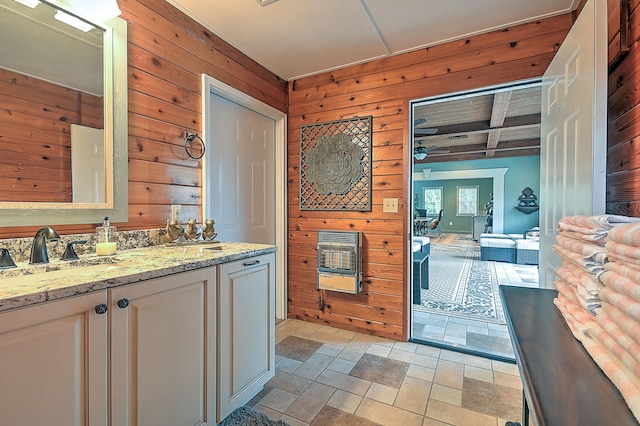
<point>335,165</point>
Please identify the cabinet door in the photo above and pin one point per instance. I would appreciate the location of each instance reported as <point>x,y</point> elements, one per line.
<point>53,363</point>
<point>163,351</point>
<point>246,330</point>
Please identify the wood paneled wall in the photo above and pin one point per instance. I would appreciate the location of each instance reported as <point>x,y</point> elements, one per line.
<point>623,139</point>
<point>35,136</point>
<point>383,89</point>
<point>167,54</point>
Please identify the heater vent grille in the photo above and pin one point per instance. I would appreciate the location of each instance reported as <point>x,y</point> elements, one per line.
<point>339,261</point>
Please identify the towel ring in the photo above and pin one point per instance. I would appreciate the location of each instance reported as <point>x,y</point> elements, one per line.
<point>188,141</point>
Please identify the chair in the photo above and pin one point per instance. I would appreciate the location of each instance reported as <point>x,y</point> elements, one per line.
<point>435,224</point>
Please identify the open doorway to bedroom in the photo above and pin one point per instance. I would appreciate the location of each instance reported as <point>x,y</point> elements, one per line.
<point>474,154</point>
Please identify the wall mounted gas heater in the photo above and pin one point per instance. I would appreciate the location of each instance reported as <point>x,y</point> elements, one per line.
<point>340,261</point>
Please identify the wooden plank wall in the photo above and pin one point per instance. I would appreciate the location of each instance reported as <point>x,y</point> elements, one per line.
<point>167,54</point>
<point>623,138</point>
<point>35,136</point>
<point>383,89</point>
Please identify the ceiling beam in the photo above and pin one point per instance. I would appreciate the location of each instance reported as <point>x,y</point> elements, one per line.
<point>478,151</point>
<point>480,127</point>
<point>498,114</point>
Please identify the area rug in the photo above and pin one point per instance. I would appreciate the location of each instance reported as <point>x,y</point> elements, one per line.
<point>247,416</point>
<point>463,286</point>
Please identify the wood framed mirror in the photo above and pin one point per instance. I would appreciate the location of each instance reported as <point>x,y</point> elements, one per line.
<point>46,102</point>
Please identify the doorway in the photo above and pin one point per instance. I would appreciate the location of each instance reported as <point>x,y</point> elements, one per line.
<point>244,182</point>
<point>488,137</point>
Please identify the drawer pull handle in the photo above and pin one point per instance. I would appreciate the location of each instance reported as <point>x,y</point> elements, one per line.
<point>101,308</point>
<point>255,262</point>
<point>123,303</point>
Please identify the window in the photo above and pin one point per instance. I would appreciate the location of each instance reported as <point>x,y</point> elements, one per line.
<point>467,200</point>
<point>433,200</point>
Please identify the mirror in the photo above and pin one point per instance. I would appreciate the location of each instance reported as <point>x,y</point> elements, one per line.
<point>58,82</point>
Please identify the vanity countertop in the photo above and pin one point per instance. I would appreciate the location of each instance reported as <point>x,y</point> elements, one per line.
<point>91,273</point>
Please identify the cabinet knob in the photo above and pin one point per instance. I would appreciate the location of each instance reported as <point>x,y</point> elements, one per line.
<point>123,303</point>
<point>101,308</point>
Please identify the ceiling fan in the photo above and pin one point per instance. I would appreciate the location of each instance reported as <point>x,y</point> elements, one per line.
<point>420,152</point>
<point>417,131</point>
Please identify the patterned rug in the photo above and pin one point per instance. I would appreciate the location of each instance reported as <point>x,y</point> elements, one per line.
<point>462,285</point>
<point>247,416</point>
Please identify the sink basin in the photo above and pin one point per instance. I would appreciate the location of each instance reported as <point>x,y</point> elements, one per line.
<point>194,244</point>
<point>55,265</point>
<point>77,273</point>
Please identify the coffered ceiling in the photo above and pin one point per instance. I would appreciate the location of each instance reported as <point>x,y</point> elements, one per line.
<point>498,124</point>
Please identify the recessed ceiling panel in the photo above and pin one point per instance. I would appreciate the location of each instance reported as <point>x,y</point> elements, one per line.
<point>295,38</point>
<point>410,24</point>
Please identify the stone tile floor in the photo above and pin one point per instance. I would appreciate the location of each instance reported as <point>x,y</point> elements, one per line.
<point>476,335</point>
<point>329,376</point>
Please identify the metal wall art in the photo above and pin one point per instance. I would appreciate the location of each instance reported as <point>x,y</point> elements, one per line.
<point>335,165</point>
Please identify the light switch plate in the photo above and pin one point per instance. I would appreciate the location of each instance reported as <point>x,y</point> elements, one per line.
<point>390,205</point>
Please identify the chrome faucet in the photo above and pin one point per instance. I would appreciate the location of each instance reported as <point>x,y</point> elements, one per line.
<point>39,245</point>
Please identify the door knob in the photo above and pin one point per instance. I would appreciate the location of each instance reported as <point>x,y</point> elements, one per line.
<point>101,308</point>
<point>123,303</point>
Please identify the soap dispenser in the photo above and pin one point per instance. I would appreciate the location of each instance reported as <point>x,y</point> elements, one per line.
<point>106,239</point>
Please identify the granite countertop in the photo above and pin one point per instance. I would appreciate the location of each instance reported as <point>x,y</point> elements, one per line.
<point>32,284</point>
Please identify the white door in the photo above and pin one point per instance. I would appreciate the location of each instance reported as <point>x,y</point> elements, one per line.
<point>267,203</point>
<point>87,164</point>
<point>573,130</point>
<point>243,161</point>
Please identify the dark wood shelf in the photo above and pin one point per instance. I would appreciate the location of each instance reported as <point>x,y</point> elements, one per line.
<point>562,384</point>
<point>527,209</point>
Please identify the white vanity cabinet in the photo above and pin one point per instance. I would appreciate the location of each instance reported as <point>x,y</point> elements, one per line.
<point>53,363</point>
<point>246,330</point>
<point>163,337</point>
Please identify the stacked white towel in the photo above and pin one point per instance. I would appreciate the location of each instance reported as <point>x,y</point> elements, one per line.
<point>599,294</point>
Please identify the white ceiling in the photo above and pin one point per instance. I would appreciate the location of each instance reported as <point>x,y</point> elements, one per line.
<point>297,38</point>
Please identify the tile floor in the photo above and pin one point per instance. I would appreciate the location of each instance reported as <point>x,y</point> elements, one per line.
<point>492,339</point>
<point>329,376</point>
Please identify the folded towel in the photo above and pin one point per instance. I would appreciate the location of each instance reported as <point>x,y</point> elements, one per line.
<point>565,290</point>
<point>605,221</point>
<point>565,225</point>
<point>624,270</point>
<point>622,378</point>
<point>574,326</point>
<point>591,266</point>
<point>579,297</point>
<point>583,318</point>
<point>622,302</point>
<point>570,277</point>
<point>587,250</point>
<point>590,282</point>
<point>606,340</point>
<point>622,320</point>
<point>621,284</point>
<point>626,234</point>
<point>620,337</point>
<point>624,260</point>
<point>585,236</point>
<point>623,249</point>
